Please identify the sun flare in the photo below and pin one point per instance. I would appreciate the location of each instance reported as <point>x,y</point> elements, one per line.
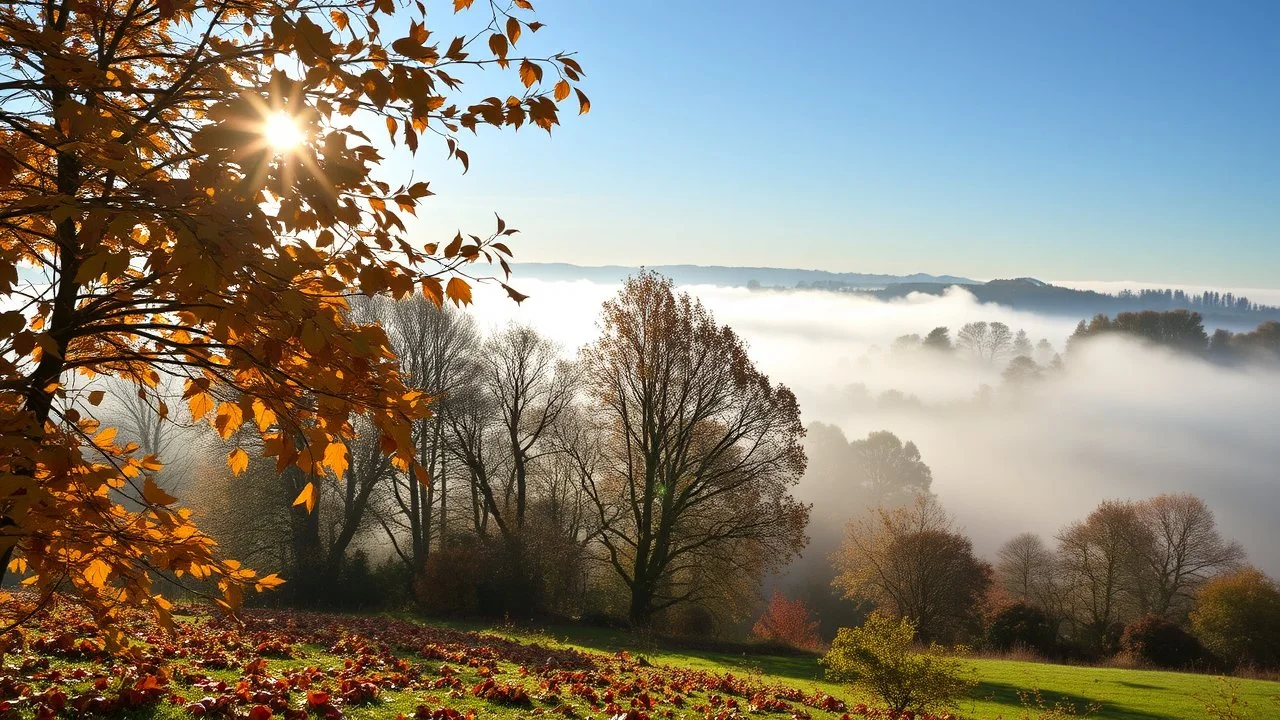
<point>282,132</point>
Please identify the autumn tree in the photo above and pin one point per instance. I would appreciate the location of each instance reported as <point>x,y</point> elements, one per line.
<point>1237,617</point>
<point>913,563</point>
<point>699,451</point>
<point>1099,559</point>
<point>189,190</point>
<point>788,622</point>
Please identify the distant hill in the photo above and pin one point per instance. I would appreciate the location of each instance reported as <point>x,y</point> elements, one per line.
<point>734,276</point>
<point>1220,310</point>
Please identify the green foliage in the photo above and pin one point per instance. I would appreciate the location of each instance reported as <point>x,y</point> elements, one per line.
<point>880,658</point>
<point>1237,617</point>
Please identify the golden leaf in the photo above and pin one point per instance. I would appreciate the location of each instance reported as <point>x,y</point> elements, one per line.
<point>238,461</point>
<point>307,497</point>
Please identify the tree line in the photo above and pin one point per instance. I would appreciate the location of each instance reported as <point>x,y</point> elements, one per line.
<point>648,477</point>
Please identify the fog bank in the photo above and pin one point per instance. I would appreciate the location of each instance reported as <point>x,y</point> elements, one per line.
<point>1120,421</point>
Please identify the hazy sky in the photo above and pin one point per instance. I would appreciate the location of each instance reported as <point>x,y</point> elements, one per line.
<point>1096,140</point>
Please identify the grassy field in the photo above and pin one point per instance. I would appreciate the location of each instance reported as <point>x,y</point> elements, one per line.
<point>1117,694</point>
<point>302,666</point>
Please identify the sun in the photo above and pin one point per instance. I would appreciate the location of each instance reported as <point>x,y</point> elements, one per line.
<point>282,133</point>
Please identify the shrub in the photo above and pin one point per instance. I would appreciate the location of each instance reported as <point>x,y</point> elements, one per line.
<point>788,622</point>
<point>879,658</point>
<point>448,581</point>
<point>1022,626</point>
<point>1237,617</point>
<point>1160,642</point>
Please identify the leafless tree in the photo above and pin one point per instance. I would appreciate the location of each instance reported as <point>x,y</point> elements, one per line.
<point>699,450</point>
<point>1186,551</point>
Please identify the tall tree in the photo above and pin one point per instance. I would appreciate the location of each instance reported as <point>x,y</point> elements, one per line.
<point>1100,561</point>
<point>699,451</point>
<point>437,348</point>
<point>1186,551</point>
<point>191,185</point>
<point>985,341</point>
<point>889,471</point>
<point>938,338</point>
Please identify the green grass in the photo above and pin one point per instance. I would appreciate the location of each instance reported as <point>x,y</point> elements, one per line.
<point>1119,694</point>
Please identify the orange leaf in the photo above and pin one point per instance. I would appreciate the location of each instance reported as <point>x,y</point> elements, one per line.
<point>307,497</point>
<point>584,105</point>
<point>335,458</point>
<point>562,90</point>
<point>155,495</point>
<point>530,73</point>
<point>230,418</point>
<point>97,572</point>
<point>460,5</point>
<point>238,461</point>
<point>458,291</point>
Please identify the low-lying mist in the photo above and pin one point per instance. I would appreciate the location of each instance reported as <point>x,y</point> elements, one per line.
<point>1118,420</point>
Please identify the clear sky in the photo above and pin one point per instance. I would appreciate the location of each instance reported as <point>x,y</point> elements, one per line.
<point>1079,139</point>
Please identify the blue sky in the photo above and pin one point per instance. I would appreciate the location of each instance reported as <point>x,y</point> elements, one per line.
<point>1082,140</point>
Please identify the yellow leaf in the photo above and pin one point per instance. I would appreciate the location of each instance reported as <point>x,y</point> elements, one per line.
<point>307,497</point>
<point>238,461</point>
<point>200,403</point>
<point>155,495</point>
<point>263,415</point>
<point>96,573</point>
<point>270,582</point>
<point>230,418</point>
<point>335,458</point>
<point>105,437</point>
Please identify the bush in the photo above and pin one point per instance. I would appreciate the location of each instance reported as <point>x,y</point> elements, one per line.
<point>1237,617</point>
<point>449,580</point>
<point>1022,626</point>
<point>788,622</point>
<point>1160,642</point>
<point>879,658</point>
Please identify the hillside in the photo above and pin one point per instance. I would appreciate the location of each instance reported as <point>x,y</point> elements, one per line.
<point>302,664</point>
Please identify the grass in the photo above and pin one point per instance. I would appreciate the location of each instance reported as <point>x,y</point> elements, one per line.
<point>1118,694</point>
<point>1000,692</point>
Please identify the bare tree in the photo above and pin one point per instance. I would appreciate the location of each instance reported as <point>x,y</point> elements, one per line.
<point>436,347</point>
<point>988,342</point>
<point>912,562</point>
<point>699,451</point>
<point>1099,559</point>
<point>1187,550</point>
